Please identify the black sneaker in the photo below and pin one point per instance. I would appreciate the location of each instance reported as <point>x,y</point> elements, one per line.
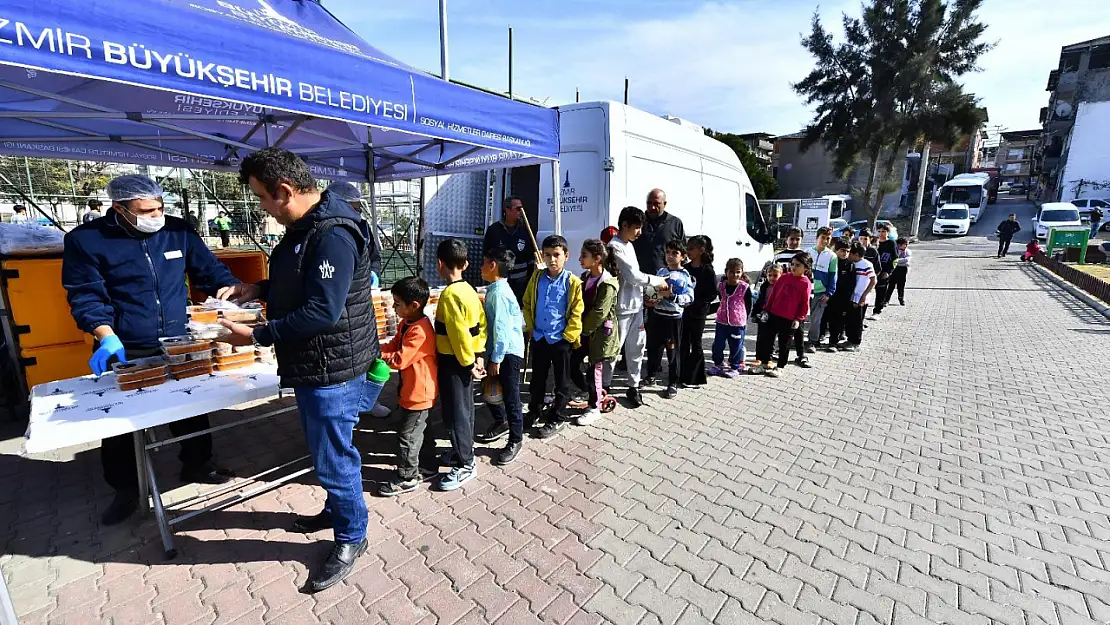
<point>313,524</point>
<point>635,398</point>
<point>901,302</point>
<point>207,473</point>
<point>647,382</point>
<point>398,486</point>
<point>850,348</point>
<point>811,348</point>
<point>802,362</point>
<point>508,454</point>
<point>831,348</point>
<point>551,428</point>
<point>671,392</point>
<point>496,432</point>
<point>123,505</point>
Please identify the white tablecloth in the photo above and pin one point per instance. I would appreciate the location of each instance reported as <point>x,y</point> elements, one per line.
<point>82,410</point>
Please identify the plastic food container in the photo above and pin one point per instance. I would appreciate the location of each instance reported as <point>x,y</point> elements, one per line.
<point>243,315</point>
<point>200,314</point>
<point>191,357</point>
<point>207,331</point>
<point>184,345</point>
<point>191,369</point>
<point>231,366</point>
<point>222,349</point>
<point>138,370</point>
<point>138,384</point>
<point>247,357</point>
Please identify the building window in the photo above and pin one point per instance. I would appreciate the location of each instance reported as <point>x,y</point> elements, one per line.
<point>1069,61</point>
<point>1100,57</point>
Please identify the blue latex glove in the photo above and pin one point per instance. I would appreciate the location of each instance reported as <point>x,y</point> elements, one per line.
<point>110,346</point>
<point>374,282</point>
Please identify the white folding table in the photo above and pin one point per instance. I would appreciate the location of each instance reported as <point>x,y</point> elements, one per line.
<point>82,410</point>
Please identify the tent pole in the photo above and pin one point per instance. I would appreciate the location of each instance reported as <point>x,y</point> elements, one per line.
<point>556,200</point>
<point>370,176</point>
<point>510,62</point>
<point>444,73</point>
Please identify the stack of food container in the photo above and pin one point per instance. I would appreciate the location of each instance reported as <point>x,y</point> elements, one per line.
<point>187,357</point>
<point>230,357</point>
<point>140,373</point>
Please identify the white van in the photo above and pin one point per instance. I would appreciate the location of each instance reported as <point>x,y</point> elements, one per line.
<point>1056,215</point>
<point>953,219</point>
<point>612,155</point>
<point>970,189</point>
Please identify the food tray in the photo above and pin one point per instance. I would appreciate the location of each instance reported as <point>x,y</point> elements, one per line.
<point>234,365</point>
<point>184,345</point>
<point>222,349</point>
<point>138,384</point>
<point>207,331</point>
<point>139,369</point>
<point>243,315</point>
<point>190,369</point>
<point>200,314</point>
<point>177,359</point>
<point>235,358</point>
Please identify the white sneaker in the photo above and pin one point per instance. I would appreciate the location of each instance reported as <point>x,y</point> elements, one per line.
<point>379,411</point>
<point>593,415</point>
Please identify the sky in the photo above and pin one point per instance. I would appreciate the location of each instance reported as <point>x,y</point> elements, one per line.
<point>725,64</point>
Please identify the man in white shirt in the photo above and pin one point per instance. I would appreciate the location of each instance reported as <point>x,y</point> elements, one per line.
<point>630,297</point>
<point>20,214</point>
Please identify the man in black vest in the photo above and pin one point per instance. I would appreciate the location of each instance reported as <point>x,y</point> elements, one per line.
<point>324,333</point>
<point>512,234</point>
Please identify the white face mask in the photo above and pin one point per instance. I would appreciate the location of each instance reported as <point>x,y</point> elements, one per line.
<point>148,225</point>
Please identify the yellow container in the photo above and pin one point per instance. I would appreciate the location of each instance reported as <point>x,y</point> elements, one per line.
<point>249,266</point>
<point>55,362</point>
<point>40,310</point>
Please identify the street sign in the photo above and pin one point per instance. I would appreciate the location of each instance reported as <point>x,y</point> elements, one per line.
<point>1069,237</point>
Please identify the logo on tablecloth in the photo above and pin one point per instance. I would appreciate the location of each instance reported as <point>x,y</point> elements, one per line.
<point>57,391</point>
<point>143,392</point>
<point>188,390</point>
<point>65,408</point>
<point>98,393</point>
<point>105,408</point>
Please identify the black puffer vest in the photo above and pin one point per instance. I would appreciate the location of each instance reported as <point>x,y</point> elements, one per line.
<point>346,350</point>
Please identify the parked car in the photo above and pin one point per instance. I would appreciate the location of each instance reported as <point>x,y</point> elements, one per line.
<point>1004,187</point>
<point>1018,187</point>
<point>837,224</point>
<point>1055,215</point>
<point>1086,206</point>
<point>952,219</point>
<point>866,223</point>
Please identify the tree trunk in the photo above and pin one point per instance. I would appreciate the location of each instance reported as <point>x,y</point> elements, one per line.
<point>871,178</point>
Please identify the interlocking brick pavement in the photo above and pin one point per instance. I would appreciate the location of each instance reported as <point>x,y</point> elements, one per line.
<point>954,471</point>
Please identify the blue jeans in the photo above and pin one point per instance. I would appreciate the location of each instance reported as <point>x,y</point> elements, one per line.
<point>1095,223</point>
<point>734,337</point>
<point>328,417</point>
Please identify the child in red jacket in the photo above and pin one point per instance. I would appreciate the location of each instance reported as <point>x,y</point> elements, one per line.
<point>1032,249</point>
<point>787,306</point>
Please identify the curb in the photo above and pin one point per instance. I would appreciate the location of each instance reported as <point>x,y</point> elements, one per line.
<point>1079,293</point>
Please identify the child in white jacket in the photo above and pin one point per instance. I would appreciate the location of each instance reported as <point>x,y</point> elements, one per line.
<point>630,298</point>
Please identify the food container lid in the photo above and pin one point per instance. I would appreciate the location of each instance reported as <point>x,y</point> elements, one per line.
<point>200,356</point>
<point>154,364</point>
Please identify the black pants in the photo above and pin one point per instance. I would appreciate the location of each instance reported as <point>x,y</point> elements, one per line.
<point>1004,245</point>
<point>225,238</point>
<point>664,334</point>
<point>853,323</point>
<point>508,374</point>
<point>836,318</point>
<point>774,327</point>
<point>578,360</point>
<point>416,449</point>
<point>880,294</point>
<point>898,281</point>
<point>456,394</point>
<point>117,454</point>
<point>544,356</point>
<point>800,340</point>
<point>692,355</point>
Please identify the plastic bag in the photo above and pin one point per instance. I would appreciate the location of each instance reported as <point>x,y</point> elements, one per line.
<point>30,240</point>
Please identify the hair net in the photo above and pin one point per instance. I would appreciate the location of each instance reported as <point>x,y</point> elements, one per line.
<point>133,187</point>
<point>345,191</point>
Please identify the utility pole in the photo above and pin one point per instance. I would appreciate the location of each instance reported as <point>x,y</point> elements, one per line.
<point>923,170</point>
<point>443,72</point>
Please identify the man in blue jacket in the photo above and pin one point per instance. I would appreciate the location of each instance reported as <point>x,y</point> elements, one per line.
<point>125,280</point>
<point>324,334</point>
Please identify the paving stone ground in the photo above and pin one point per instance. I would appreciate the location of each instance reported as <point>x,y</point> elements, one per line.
<point>954,471</point>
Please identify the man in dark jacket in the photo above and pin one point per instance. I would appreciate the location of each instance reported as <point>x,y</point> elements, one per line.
<point>511,233</point>
<point>1006,231</point>
<point>660,228</point>
<point>125,280</point>
<point>323,330</point>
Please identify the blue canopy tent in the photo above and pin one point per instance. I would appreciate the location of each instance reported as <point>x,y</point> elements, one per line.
<point>202,83</point>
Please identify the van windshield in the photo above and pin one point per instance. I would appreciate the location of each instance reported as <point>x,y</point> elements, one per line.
<point>962,195</point>
<point>757,226</point>
<point>952,213</point>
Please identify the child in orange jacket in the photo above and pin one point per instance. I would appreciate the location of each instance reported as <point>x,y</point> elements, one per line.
<point>413,354</point>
